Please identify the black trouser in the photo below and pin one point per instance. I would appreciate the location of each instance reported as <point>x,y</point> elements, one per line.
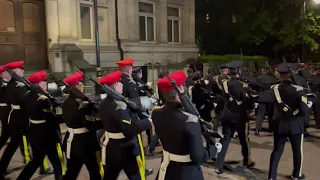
<point>262,109</point>
<point>75,163</point>
<point>228,129</point>
<point>149,134</point>
<point>4,132</point>
<point>38,156</point>
<point>16,140</point>
<point>128,164</point>
<point>297,149</point>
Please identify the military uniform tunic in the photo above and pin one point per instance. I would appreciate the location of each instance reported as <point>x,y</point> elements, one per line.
<point>43,135</point>
<point>80,143</point>
<point>4,113</point>
<point>121,147</point>
<point>288,122</point>
<point>180,135</point>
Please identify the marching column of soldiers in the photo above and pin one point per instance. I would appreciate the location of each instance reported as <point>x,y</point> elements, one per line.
<point>31,117</point>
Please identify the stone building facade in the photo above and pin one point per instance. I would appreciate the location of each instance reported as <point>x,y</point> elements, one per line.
<point>49,33</point>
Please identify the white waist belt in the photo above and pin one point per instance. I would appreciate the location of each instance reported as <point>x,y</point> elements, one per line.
<point>38,121</point>
<point>72,132</point>
<point>3,104</point>
<point>108,136</point>
<point>167,157</point>
<point>15,107</point>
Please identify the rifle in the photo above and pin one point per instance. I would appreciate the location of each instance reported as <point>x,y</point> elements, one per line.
<point>75,91</point>
<point>189,107</point>
<point>32,87</point>
<point>116,95</point>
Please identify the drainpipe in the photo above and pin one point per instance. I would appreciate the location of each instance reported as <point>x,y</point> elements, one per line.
<point>117,29</point>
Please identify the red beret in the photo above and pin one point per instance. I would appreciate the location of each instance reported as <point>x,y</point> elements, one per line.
<point>1,69</point>
<point>73,79</point>
<point>179,76</point>
<point>37,77</point>
<point>14,65</point>
<point>303,65</point>
<point>111,78</point>
<point>125,63</point>
<point>275,66</point>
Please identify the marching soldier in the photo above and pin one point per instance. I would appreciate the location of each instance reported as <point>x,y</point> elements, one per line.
<point>42,134</point>
<point>120,148</point>
<point>264,82</point>
<point>131,91</point>
<point>235,116</point>
<point>202,99</point>
<point>18,120</point>
<point>144,90</point>
<point>288,122</point>
<point>4,106</point>
<point>217,91</point>
<point>80,143</point>
<point>180,135</point>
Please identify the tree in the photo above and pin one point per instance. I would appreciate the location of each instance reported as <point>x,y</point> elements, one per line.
<point>261,26</point>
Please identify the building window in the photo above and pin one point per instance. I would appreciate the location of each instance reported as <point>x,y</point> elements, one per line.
<point>173,25</point>
<point>87,17</point>
<point>146,21</point>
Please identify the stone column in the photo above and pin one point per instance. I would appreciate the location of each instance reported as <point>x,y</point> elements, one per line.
<point>132,16</point>
<point>67,19</point>
<point>52,22</point>
<point>161,21</point>
<point>192,25</point>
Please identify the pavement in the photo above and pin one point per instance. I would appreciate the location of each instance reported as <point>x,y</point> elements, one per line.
<point>261,148</point>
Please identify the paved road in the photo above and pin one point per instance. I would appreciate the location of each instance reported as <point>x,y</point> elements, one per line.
<point>261,148</point>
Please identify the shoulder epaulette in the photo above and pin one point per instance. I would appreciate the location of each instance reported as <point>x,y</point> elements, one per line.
<point>245,85</point>
<point>19,84</point>
<point>42,97</point>
<point>298,88</point>
<point>121,105</point>
<point>191,118</point>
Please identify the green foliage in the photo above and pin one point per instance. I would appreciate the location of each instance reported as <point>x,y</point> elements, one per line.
<point>247,60</point>
<point>272,24</point>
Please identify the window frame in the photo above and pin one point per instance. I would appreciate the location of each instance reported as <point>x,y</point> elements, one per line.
<point>89,4</point>
<point>146,15</point>
<point>172,19</point>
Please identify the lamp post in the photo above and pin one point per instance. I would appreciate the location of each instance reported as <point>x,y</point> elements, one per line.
<point>96,22</point>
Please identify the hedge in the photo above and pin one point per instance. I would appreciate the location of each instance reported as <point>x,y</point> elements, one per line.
<point>223,59</point>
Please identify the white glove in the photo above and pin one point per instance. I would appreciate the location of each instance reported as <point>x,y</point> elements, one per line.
<point>310,104</point>
<point>146,102</point>
<point>215,104</point>
<point>219,147</point>
<point>150,120</point>
<point>58,110</point>
<point>103,96</point>
<point>202,107</point>
<point>255,105</point>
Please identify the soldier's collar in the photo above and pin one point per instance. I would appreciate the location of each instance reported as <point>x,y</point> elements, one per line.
<point>171,104</point>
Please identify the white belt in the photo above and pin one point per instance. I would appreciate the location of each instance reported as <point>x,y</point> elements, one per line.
<point>3,104</point>
<point>167,157</point>
<point>38,121</point>
<point>108,136</point>
<point>72,132</point>
<point>15,107</point>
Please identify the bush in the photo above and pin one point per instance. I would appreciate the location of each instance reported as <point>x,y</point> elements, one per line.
<point>248,61</point>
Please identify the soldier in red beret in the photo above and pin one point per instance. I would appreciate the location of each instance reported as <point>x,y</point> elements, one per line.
<point>131,91</point>
<point>42,133</point>
<point>4,107</point>
<point>180,135</point>
<point>18,119</point>
<point>123,150</point>
<point>80,143</point>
